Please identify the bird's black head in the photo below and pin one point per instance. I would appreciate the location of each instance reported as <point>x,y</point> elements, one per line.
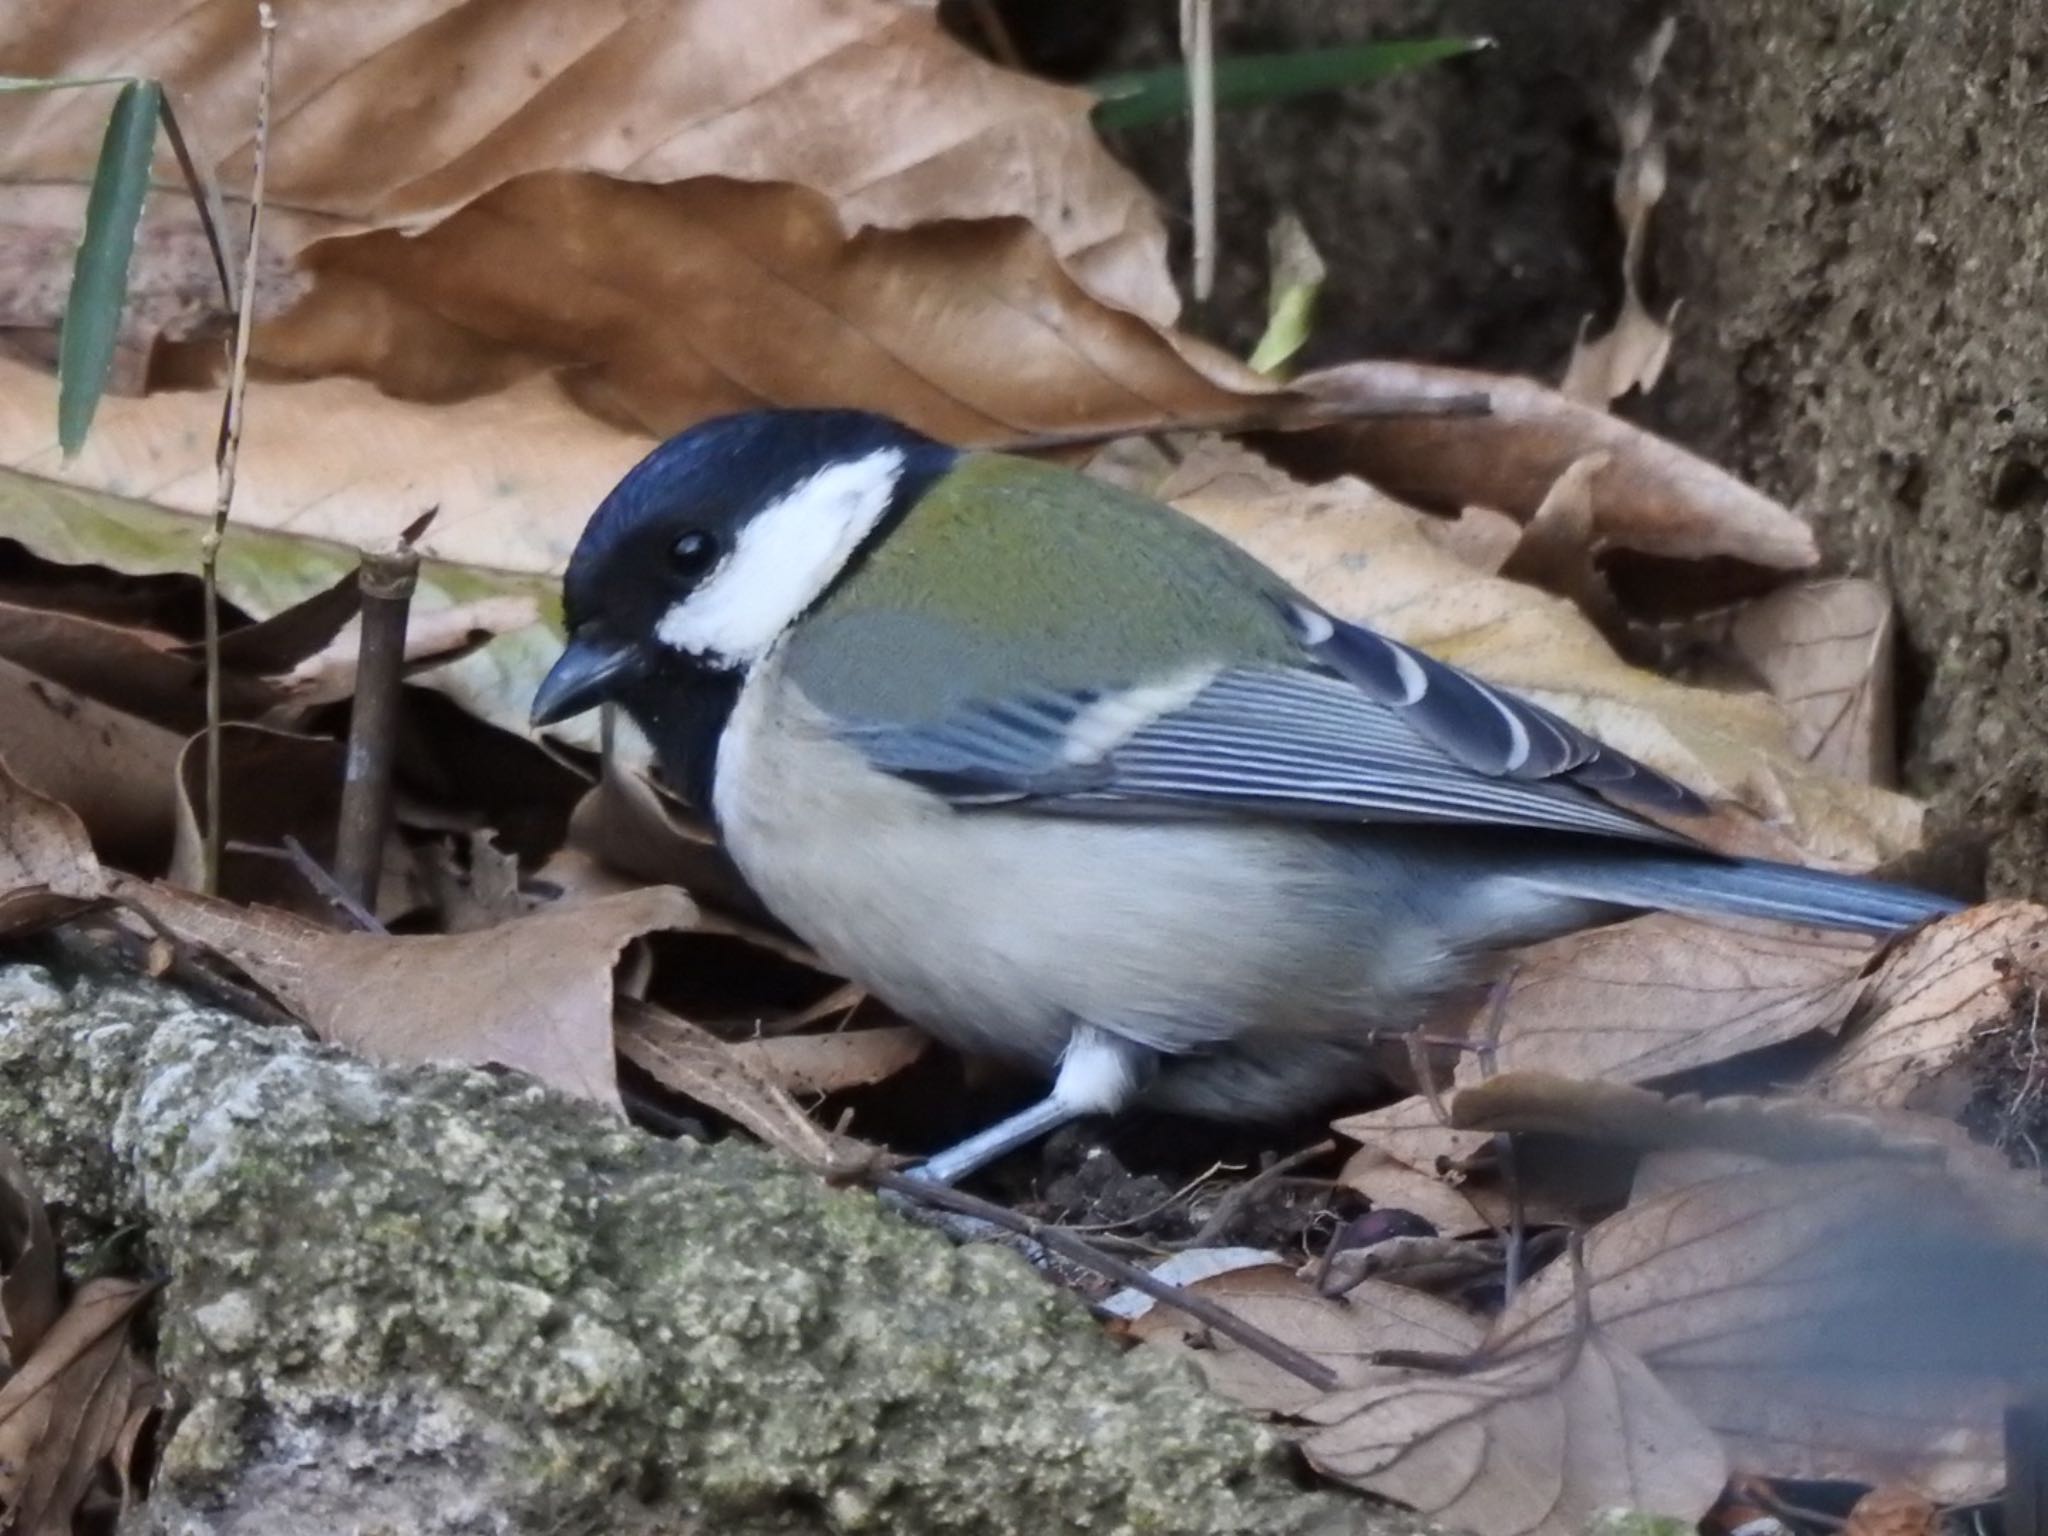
<point>719,540</point>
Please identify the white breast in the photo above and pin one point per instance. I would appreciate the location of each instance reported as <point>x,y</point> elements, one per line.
<point>997,930</point>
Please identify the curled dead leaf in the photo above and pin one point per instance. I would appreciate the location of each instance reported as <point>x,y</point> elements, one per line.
<point>47,867</point>
<point>534,994</point>
<point>1655,497</point>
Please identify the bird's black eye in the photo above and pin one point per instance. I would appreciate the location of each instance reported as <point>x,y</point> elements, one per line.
<point>693,553</point>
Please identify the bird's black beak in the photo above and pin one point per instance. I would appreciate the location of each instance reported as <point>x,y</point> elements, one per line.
<point>584,677</point>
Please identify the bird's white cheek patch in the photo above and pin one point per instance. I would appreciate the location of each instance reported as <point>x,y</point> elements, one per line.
<point>786,555</point>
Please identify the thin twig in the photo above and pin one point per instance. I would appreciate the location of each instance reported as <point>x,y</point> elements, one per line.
<point>1505,1146</point>
<point>1287,414</point>
<point>1067,1245</point>
<point>1229,1207</point>
<point>369,774</point>
<point>328,888</point>
<point>230,448</point>
<point>1198,49</point>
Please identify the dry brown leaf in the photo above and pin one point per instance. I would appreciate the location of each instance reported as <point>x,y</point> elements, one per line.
<point>1892,1510</point>
<point>29,1296</point>
<point>1929,1001</point>
<point>832,1063</point>
<point>673,303</point>
<point>1861,1319</point>
<point>115,770</point>
<point>1535,1443</point>
<point>693,222</point>
<point>64,1411</point>
<point>1664,994</point>
<point>47,867</point>
<point>1367,558</point>
<point>869,102</point>
<point>1479,536</point>
<point>1655,497</point>
<point>534,994</point>
<point>1556,550</point>
<point>1825,649</point>
<point>1342,1333</point>
<point>1410,1132</point>
<point>696,1063</point>
<point>1632,354</point>
<point>135,670</point>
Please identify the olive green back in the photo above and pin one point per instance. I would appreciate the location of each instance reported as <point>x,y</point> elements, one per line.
<point>1010,576</point>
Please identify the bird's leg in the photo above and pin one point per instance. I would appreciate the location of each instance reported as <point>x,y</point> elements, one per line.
<point>1099,1074</point>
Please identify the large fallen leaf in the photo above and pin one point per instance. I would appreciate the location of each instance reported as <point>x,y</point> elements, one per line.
<point>1862,1319</point>
<point>1654,497</point>
<point>1368,558</point>
<point>534,994</point>
<point>47,867</point>
<point>1664,994</point>
<point>869,102</point>
<point>1536,1441</point>
<point>1342,1333</point>
<point>1932,999</point>
<point>846,205</point>
<point>64,1411</point>
<point>673,303</point>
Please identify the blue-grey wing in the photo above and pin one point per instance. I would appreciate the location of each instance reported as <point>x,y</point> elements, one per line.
<point>1364,730</point>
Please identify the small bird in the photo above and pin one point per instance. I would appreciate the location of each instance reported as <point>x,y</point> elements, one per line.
<point>1067,779</point>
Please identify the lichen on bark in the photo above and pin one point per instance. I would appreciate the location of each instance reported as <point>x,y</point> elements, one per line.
<point>446,1300</point>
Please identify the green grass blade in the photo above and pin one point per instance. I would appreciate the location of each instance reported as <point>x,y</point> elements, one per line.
<point>99,279</point>
<point>1252,79</point>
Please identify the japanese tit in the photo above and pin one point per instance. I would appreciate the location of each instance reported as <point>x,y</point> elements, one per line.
<point>1065,778</point>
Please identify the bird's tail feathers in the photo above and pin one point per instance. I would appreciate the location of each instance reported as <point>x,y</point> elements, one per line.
<point>1746,888</point>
